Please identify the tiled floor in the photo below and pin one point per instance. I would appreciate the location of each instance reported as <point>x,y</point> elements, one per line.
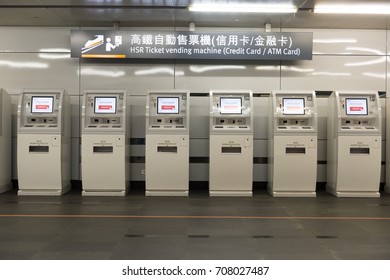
<point>195,227</point>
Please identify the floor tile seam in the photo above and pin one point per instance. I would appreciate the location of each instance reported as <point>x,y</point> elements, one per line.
<point>193,217</point>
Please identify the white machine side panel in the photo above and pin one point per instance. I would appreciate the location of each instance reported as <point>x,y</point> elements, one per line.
<point>358,172</point>
<point>102,169</point>
<point>41,170</point>
<point>293,170</point>
<point>5,141</point>
<point>167,170</point>
<point>65,160</point>
<point>231,171</point>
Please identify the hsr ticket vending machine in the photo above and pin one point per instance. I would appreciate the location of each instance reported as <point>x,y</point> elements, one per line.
<point>231,143</point>
<point>167,142</point>
<point>292,144</point>
<point>5,141</point>
<point>354,144</point>
<point>105,151</point>
<point>43,142</point>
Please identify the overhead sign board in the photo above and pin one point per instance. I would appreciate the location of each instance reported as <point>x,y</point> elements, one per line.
<point>192,45</point>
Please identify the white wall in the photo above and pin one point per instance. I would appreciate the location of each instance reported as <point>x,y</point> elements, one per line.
<point>342,59</point>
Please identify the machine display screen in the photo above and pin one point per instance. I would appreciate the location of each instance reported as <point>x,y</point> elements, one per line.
<point>293,106</point>
<point>167,105</point>
<point>356,106</point>
<point>231,105</point>
<point>105,105</point>
<point>42,104</point>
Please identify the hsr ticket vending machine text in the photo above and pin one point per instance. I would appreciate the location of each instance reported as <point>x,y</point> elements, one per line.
<point>354,144</point>
<point>43,142</point>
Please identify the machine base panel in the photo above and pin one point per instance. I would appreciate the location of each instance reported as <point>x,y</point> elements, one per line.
<point>43,192</point>
<point>353,194</point>
<point>104,193</point>
<point>230,193</point>
<point>165,193</point>
<point>292,194</point>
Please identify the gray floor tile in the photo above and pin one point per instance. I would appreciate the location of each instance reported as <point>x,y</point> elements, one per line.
<point>70,256</point>
<point>149,248</point>
<point>224,248</point>
<point>194,227</point>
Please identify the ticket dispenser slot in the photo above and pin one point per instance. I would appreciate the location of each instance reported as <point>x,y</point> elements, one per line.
<point>167,149</point>
<point>290,150</point>
<point>231,143</point>
<point>354,144</point>
<point>167,143</point>
<point>38,149</point>
<point>359,151</point>
<point>105,150</point>
<point>231,150</point>
<point>292,143</point>
<point>43,142</point>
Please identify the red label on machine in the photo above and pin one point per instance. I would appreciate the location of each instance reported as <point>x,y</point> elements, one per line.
<point>356,109</point>
<point>231,107</point>
<point>42,107</point>
<point>168,107</point>
<point>105,107</point>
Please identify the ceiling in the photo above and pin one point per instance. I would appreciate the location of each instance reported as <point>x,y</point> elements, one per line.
<point>174,13</point>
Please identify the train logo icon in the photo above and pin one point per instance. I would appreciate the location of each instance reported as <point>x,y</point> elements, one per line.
<point>94,43</point>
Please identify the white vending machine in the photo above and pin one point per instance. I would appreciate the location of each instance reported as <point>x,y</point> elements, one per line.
<point>231,143</point>
<point>43,142</point>
<point>5,141</point>
<point>387,148</point>
<point>167,143</point>
<point>105,147</point>
<point>354,144</point>
<point>292,144</point>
